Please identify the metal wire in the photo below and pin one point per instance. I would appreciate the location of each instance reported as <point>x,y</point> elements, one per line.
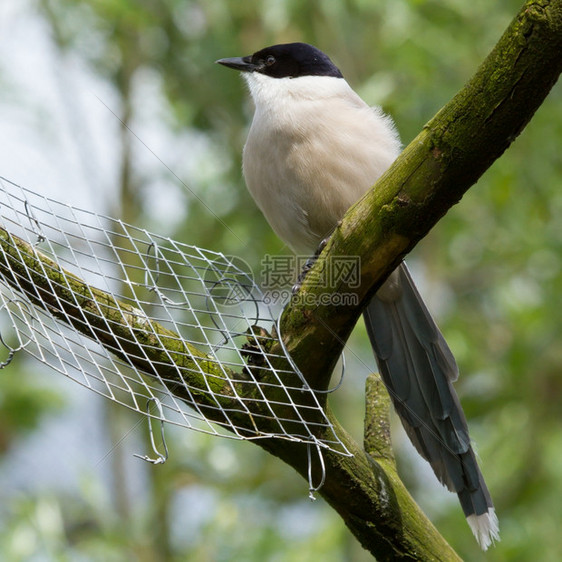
<point>160,458</point>
<point>188,314</point>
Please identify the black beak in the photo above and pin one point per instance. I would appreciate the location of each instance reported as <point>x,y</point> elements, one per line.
<point>243,64</point>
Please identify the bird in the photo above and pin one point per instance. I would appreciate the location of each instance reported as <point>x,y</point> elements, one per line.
<point>314,148</point>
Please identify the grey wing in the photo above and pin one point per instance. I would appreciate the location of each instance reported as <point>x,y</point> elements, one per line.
<point>418,369</point>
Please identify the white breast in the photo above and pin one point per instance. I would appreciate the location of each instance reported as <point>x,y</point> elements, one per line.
<point>314,149</point>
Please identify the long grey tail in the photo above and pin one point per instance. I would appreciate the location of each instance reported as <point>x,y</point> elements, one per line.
<point>418,370</point>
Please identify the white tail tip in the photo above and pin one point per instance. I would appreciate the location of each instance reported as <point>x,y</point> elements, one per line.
<point>485,528</point>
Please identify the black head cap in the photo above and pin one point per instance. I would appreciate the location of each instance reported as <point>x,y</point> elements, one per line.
<point>288,60</point>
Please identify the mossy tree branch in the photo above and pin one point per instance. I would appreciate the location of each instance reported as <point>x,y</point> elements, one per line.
<point>452,151</point>
<point>434,171</point>
<point>431,175</point>
<point>155,350</point>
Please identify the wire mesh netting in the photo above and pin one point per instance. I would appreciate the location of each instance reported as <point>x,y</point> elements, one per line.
<point>175,332</point>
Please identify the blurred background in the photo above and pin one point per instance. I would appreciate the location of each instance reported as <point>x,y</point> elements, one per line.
<point>116,106</point>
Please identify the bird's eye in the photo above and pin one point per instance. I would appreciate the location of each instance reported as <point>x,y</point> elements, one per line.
<point>270,60</point>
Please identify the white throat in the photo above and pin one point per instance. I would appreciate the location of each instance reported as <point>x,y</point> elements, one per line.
<point>269,92</point>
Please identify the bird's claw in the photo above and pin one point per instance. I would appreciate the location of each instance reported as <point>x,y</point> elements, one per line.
<point>308,265</point>
<point>302,275</point>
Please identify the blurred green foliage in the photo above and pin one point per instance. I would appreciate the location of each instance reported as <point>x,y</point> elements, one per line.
<point>25,398</point>
<point>492,268</point>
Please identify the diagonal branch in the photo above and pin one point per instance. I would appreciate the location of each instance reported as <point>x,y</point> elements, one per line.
<point>453,150</point>
<point>159,352</point>
<point>162,355</point>
<point>122,329</point>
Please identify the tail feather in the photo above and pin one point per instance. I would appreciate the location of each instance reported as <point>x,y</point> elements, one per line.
<point>418,369</point>
<point>485,528</point>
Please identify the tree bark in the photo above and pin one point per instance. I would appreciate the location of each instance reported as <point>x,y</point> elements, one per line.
<point>364,488</point>
<point>433,172</point>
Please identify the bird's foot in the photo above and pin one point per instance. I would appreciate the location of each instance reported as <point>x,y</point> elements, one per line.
<point>302,275</point>
<point>308,266</point>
